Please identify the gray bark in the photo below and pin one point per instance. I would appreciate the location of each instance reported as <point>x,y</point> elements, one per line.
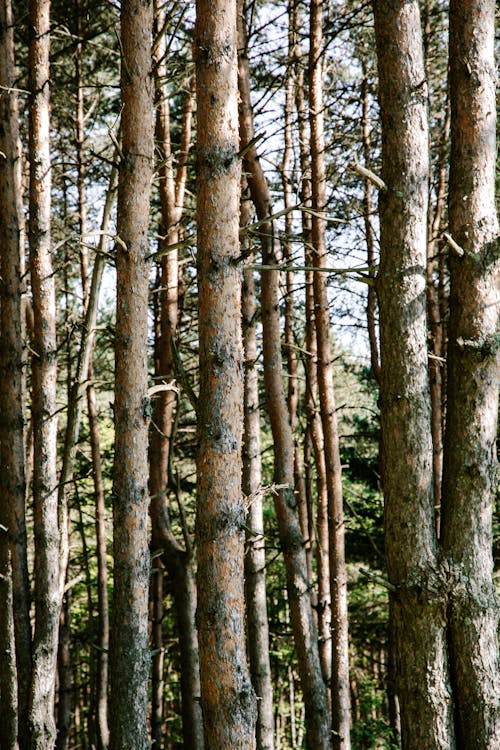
<point>418,606</point>
<point>469,480</point>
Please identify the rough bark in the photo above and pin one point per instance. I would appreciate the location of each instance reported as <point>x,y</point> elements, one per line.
<point>227,695</point>
<point>47,592</point>
<point>292,542</point>
<point>340,691</point>
<point>129,654</point>
<point>255,557</point>
<point>418,606</point>
<point>473,376</point>
<point>15,613</point>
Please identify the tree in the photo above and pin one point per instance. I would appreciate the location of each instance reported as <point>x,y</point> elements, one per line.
<point>418,601</point>
<point>129,657</point>
<point>15,623</point>
<point>291,540</point>
<point>49,573</point>
<point>255,557</point>
<point>176,561</point>
<point>340,689</point>
<point>473,375</point>
<point>228,699</point>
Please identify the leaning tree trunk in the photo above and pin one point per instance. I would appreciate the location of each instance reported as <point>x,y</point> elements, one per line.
<point>340,688</point>
<point>227,695</point>
<point>417,603</point>
<point>16,670</point>
<point>48,588</point>
<point>473,376</point>
<point>129,656</point>
<point>292,542</point>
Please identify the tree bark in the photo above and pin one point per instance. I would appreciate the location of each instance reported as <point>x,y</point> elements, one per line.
<point>15,614</point>
<point>340,690</point>
<point>129,655</point>
<point>418,605</point>
<point>48,589</point>
<point>292,542</point>
<point>473,376</point>
<point>255,557</point>
<point>228,699</point>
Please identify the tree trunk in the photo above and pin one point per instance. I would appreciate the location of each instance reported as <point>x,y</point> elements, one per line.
<point>371,298</point>
<point>228,699</point>
<point>418,606</point>
<point>341,711</point>
<point>48,589</point>
<point>473,376</point>
<point>16,620</point>
<point>304,627</point>
<point>129,656</point>
<point>176,561</point>
<point>255,558</point>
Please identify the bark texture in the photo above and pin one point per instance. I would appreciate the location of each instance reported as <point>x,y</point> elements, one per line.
<point>255,556</point>
<point>16,654</point>
<point>47,593</point>
<point>418,606</point>
<point>473,375</point>
<point>129,656</point>
<point>227,695</point>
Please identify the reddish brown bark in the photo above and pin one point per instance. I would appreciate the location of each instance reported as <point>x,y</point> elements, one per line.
<point>228,699</point>
<point>129,654</point>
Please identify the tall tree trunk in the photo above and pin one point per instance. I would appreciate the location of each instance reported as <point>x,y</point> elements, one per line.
<point>418,606</point>
<point>15,612</point>
<point>176,561</point>
<point>255,558</point>
<point>473,376</point>
<point>303,624</point>
<point>129,655</point>
<point>438,185</point>
<point>228,698</point>
<point>101,687</point>
<point>48,588</point>
<point>340,690</point>
<point>314,432</point>
<point>371,299</point>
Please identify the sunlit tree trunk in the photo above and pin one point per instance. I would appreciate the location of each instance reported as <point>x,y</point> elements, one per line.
<point>340,691</point>
<point>15,622</point>
<point>473,376</point>
<point>48,583</point>
<point>417,604</point>
<point>302,620</point>
<point>129,653</point>
<point>255,557</point>
<point>227,695</point>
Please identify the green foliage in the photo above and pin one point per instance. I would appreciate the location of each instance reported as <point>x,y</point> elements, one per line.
<point>371,732</point>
